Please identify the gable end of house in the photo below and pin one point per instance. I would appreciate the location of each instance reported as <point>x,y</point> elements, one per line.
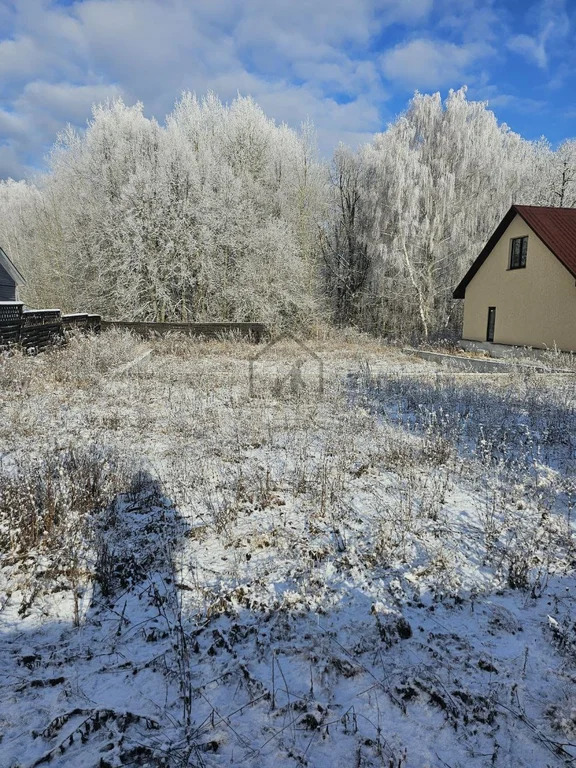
<point>556,228</point>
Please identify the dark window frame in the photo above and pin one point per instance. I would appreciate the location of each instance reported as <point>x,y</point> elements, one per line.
<point>518,252</point>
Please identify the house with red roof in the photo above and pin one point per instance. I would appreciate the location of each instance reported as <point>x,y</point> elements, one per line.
<point>521,289</point>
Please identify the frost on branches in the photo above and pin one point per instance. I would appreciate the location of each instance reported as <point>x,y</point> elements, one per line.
<point>221,214</point>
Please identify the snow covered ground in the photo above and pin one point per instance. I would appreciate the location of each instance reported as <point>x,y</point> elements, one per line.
<point>378,574</point>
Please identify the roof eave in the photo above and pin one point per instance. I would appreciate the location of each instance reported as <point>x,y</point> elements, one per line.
<point>459,292</point>
<point>11,268</point>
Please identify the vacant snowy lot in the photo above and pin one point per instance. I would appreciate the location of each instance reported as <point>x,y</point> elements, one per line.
<point>378,574</point>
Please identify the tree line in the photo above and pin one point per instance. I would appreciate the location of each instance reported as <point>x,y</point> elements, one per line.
<point>222,214</point>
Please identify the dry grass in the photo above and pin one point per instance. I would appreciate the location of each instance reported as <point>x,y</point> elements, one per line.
<point>398,491</point>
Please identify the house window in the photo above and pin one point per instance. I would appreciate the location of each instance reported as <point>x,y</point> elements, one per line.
<point>518,251</point>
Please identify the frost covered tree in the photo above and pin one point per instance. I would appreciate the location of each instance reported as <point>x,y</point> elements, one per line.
<point>213,216</point>
<point>219,213</point>
<point>23,228</point>
<point>434,186</point>
<point>561,171</point>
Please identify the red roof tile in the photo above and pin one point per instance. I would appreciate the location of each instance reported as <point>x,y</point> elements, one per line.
<point>556,227</point>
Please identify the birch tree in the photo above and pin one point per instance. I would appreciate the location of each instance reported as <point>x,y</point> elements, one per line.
<point>435,185</point>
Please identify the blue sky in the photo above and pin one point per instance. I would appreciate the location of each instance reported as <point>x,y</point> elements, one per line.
<point>348,65</point>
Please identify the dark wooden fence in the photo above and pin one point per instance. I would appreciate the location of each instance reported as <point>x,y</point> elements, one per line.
<point>254,331</point>
<point>34,330</point>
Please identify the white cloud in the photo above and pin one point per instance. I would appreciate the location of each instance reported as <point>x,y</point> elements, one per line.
<point>64,101</point>
<point>472,20</point>
<point>496,98</point>
<point>553,28</point>
<point>531,48</point>
<point>12,124</point>
<point>11,163</point>
<point>20,58</point>
<point>353,123</point>
<point>292,56</point>
<point>297,58</point>
<point>40,111</point>
<point>425,63</point>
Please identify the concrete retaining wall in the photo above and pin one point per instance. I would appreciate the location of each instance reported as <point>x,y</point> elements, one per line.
<point>472,364</point>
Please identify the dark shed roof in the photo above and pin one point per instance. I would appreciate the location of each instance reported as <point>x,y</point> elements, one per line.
<point>11,269</point>
<point>556,227</point>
